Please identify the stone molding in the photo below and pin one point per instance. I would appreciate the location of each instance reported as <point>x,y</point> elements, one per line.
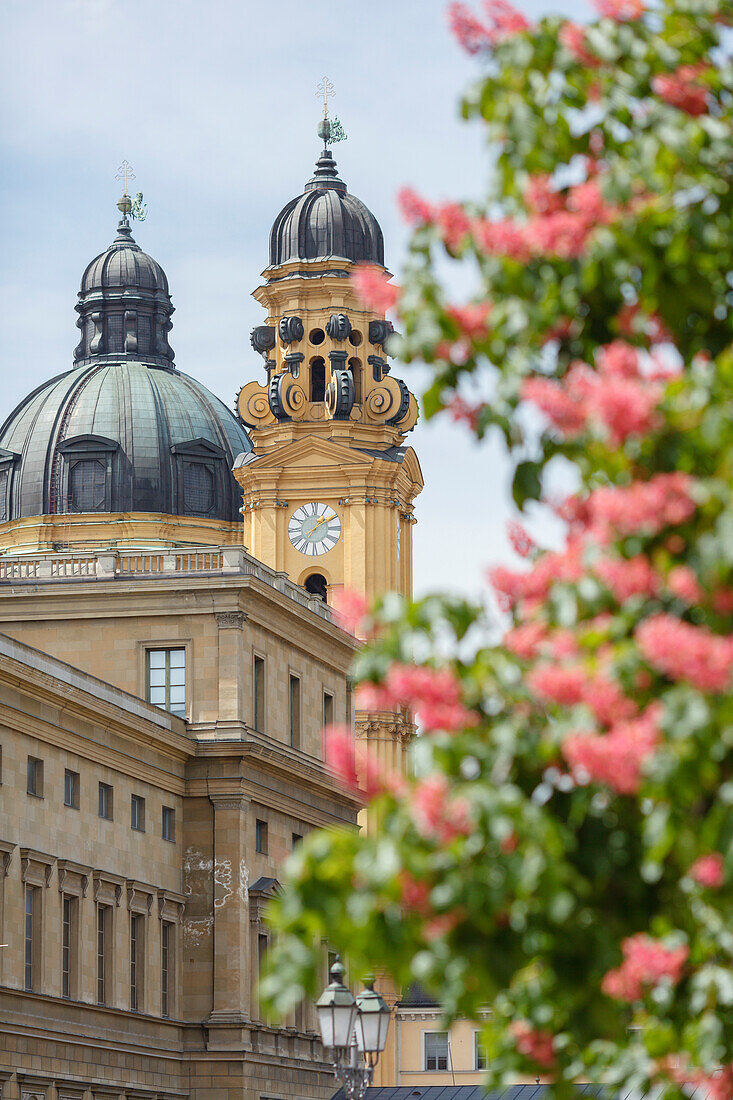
<point>171,906</point>
<point>6,855</point>
<point>36,868</point>
<point>107,888</point>
<point>140,897</point>
<point>73,878</point>
<point>229,801</point>
<point>230,620</point>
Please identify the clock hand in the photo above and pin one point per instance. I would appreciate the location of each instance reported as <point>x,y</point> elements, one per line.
<point>323,519</point>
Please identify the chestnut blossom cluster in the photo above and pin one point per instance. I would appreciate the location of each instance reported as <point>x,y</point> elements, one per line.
<point>522,542</point>
<point>708,871</point>
<point>500,21</point>
<point>643,507</point>
<point>373,286</point>
<point>435,695</point>
<point>617,395</point>
<point>536,1045</point>
<point>439,815</point>
<point>683,651</point>
<point>355,766</point>
<point>682,89</point>
<point>616,758</point>
<point>573,38</point>
<point>622,11</point>
<point>646,963</point>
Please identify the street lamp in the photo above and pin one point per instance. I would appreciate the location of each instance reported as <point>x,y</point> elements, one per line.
<point>354,1032</point>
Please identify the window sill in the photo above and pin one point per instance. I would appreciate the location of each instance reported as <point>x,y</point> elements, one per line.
<point>32,794</point>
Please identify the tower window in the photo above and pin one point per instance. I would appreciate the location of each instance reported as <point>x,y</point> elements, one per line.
<point>198,488</point>
<point>88,486</point>
<point>355,337</point>
<point>318,379</point>
<point>317,586</point>
<point>4,482</point>
<point>113,333</point>
<point>355,368</point>
<point>316,336</point>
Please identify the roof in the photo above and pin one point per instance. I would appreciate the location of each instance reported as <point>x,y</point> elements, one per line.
<point>511,1092</point>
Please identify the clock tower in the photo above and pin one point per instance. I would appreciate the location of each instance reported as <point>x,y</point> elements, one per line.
<point>329,485</point>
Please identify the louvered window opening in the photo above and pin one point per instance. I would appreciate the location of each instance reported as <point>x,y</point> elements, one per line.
<point>198,488</point>
<point>87,486</point>
<point>4,482</point>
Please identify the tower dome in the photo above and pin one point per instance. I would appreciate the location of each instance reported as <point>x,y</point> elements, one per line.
<point>123,432</point>
<point>326,222</point>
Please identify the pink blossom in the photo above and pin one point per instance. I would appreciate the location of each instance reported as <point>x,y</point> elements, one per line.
<point>435,695</point>
<point>470,32</point>
<point>607,700</point>
<point>709,871</point>
<point>626,407</point>
<point>615,758</point>
<point>633,322</point>
<point>371,696</point>
<point>619,359</point>
<point>502,238</point>
<point>350,609</point>
<point>682,582</point>
<point>722,600</point>
<point>567,411</point>
<point>511,587</point>
<point>437,814</point>
<point>453,223</point>
<point>414,209</point>
<point>540,196</point>
<point>534,1044</point>
<point>462,412</point>
<point>414,893</point>
<point>561,684</point>
<point>572,37</point>
<point>353,764</point>
<point>372,285</point>
<point>522,542</point>
<point>471,319</point>
<point>562,643</point>
<point>525,640</point>
<point>441,925</point>
<point>646,963</point>
<point>682,89</point>
<point>623,11</point>
<point>682,651</point>
<point>644,507</point>
<point>628,577</point>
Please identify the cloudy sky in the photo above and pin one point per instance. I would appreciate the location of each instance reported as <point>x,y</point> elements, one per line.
<point>213,103</point>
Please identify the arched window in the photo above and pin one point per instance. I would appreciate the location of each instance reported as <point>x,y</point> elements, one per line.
<point>317,585</point>
<point>318,379</point>
<point>355,368</point>
<point>198,489</point>
<point>88,486</point>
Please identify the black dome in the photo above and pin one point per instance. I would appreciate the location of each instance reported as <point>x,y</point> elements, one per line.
<point>123,431</point>
<point>326,222</point>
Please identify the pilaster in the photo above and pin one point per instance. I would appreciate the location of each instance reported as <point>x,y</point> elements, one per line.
<point>232,972</point>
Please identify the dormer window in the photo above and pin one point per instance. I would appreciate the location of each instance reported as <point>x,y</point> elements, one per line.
<point>86,474</point>
<point>8,462</point>
<point>199,469</point>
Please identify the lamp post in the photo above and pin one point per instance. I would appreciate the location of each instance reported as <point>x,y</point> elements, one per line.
<point>354,1032</point>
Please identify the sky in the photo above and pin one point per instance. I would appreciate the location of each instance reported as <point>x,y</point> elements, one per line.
<point>213,103</point>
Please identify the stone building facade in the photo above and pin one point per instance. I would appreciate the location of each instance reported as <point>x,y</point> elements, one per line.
<point>166,669</point>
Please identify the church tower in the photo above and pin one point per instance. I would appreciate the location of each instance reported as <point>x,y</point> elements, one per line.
<point>329,485</point>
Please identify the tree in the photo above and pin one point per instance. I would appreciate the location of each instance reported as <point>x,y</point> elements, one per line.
<point>564,852</point>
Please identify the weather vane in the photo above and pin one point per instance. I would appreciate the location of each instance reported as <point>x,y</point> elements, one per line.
<point>330,129</point>
<point>137,209</point>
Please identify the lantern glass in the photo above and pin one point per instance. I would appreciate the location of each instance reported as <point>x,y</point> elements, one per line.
<point>336,1023</point>
<point>372,1022</point>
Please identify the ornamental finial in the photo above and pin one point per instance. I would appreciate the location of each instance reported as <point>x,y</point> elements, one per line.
<point>135,208</point>
<point>330,130</point>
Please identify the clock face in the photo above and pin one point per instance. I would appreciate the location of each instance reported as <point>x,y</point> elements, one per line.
<point>314,529</point>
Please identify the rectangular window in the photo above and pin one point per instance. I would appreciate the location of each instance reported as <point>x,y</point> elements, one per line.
<point>295,712</point>
<point>35,777</point>
<point>68,946</point>
<point>32,945</point>
<point>166,679</point>
<point>261,953</point>
<point>71,789</point>
<point>436,1050</point>
<point>327,709</point>
<point>259,694</point>
<point>137,813</point>
<point>261,837</point>
<point>105,801</point>
<point>137,958</point>
<point>166,967</point>
<point>479,1052</point>
<point>297,837</point>
<point>104,916</point>
<point>169,823</point>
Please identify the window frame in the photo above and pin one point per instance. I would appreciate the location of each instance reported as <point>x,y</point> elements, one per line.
<point>168,824</point>
<point>137,800</point>
<point>72,788</point>
<point>8,462</point>
<point>32,937</point>
<point>328,698</point>
<point>262,837</point>
<point>295,722</point>
<point>479,1052</point>
<point>109,795</point>
<point>259,719</point>
<point>211,456</point>
<point>137,961</point>
<point>88,448</point>
<point>34,768</point>
<point>167,967</point>
<point>167,649</point>
<point>437,1068</point>
<point>69,946</point>
<point>104,964</point>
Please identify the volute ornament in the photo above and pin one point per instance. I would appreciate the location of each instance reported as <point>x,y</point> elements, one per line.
<point>338,326</point>
<point>287,398</point>
<point>340,394</point>
<point>290,329</point>
<point>388,402</point>
<point>262,339</point>
<point>253,406</point>
<point>380,331</point>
